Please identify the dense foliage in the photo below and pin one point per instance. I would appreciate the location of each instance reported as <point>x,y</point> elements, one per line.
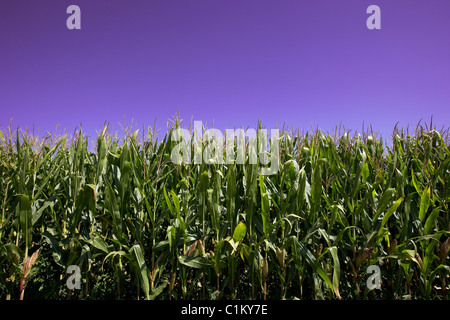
<point>140,226</point>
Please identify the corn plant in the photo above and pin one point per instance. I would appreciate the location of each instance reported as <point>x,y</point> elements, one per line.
<point>140,226</point>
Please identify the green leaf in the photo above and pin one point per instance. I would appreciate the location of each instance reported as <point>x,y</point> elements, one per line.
<point>195,262</point>
<point>25,217</point>
<point>13,253</point>
<point>99,243</point>
<point>429,252</point>
<point>231,194</point>
<point>169,204</point>
<point>56,248</point>
<point>124,183</point>
<point>383,202</point>
<point>113,254</point>
<point>218,255</point>
<point>101,151</point>
<point>302,191</point>
<point>175,210</point>
<point>162,245</point>
<point>312,261</point>
<point>387,215</point>
<point>365,172</point>
<point>431,220</point>
<point>114,210</point>
<point>140,269</point>
<point>316,188</point>
<point>424,203</point>
<point>265,206</point>
<point>439,268</point>
<point>176,201</point>
<point>239,232</point>
<point>158,290</point>
<point>415,183</point>
<point>38,213</point>
<point>336,270</point>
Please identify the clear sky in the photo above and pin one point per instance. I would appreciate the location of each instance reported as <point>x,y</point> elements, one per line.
<point>234,62</point>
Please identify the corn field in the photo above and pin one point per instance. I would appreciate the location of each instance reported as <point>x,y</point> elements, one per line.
<point>139,226</point>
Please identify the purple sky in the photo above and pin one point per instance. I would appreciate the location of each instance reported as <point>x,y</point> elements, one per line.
<point>228,61</point>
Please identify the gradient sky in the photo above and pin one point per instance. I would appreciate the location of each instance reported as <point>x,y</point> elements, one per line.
<point>303,63</point>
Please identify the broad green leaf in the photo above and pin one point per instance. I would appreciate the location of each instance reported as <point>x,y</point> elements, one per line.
<point>158,290</point>
<point>114,210</point>
<point>302,192</point>
<point>195,262</point>
<point>12,253</point>
<point>265,206</point>
<point>176,201</point>
<point>56,248</point>
<point>124,184</point>
<point>218,255</point>
<point>429,252</point>
<point>231,194</point>
<point>38,213</point>
<point>388,214</point>
<point>312,262</point>
<point>383,202</point>
<point>415,183</point>
<point>336,270</point>
<point>316,188</point>
<point>424,203</point>
<point>140,269</point>
<point>431,220</point>
<point>239,232</point>
<point>365,172</point>
<point>99,243</point>
<point>169,204</point>
<point>26,217</point>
